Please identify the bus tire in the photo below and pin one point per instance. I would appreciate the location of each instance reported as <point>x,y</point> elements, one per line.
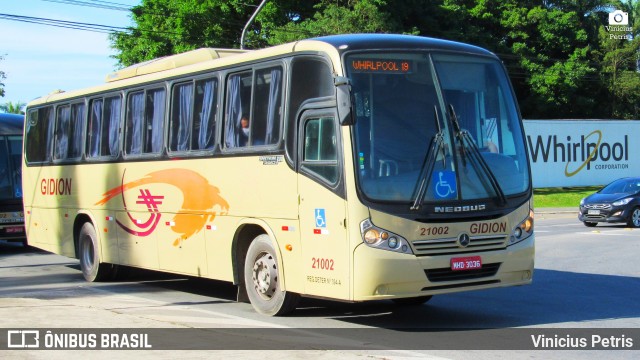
<point>261,278</point>
<point>89,253</point>
<point>413,301</point>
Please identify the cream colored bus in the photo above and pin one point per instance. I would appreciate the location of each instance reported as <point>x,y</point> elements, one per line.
<point>354,168</point>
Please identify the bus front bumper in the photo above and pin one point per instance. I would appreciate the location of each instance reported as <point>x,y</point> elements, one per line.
<point>380,274</point>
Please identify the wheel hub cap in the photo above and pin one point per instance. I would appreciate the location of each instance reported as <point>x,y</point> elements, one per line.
<point>265,276</point>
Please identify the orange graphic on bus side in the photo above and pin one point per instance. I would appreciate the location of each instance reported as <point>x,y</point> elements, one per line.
<point>199,200</point>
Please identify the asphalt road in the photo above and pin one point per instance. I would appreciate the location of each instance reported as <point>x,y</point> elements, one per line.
<point>586,278</point>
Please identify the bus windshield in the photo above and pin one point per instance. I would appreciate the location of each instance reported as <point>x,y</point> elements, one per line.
<point>10,167</point>
<point>441,124</point>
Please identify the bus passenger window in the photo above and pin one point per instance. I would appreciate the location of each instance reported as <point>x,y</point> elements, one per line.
<point>267,106</point>
<point>193,116</point>
<point>93,128</point>
<point>255,97</point>
<point>61,145</point>
<point>238,104</point>
<point>111,126</point>
<point>181,117</point>
<point>154,121</point>
<point>75,131</point>
<point>39,134</point>
<point>206,107</point>
<point>135,115</point>
<point>103,126</point>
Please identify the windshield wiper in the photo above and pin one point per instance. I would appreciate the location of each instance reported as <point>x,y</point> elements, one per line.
<point>465,140</point>
<point>435,146</point>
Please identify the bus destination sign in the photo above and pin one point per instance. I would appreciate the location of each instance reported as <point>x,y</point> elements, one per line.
<point>381,66</point>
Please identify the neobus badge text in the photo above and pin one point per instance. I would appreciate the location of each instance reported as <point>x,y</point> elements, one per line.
<point>457,209</point>
<point>60,186</point>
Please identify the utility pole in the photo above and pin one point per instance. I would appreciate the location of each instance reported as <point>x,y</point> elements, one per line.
<point>253,17</point>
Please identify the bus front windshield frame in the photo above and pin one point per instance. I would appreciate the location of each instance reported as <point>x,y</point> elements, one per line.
<point>435,128</point>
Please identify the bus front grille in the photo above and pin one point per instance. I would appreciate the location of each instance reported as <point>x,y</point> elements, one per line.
<point>446,274</point>
<point>450,246</point>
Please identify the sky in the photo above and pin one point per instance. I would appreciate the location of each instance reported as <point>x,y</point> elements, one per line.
<point>39,59</point>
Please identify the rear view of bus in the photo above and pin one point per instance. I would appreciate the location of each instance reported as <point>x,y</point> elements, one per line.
<point>11,211</point>
<point>442,169</point>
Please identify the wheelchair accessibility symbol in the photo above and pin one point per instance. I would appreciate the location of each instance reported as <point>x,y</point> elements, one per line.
<point>321,218</point>
<point>444,183</point>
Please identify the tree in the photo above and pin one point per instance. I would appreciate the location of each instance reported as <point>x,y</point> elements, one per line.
<point>13,108</point>
<point>171,27</point>
<point>556,52</point>
<point>2,77</point>
<point>338,17</point>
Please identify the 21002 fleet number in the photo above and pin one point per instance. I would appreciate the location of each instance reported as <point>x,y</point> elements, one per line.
<point>436,230</point>
<point>322,264</point>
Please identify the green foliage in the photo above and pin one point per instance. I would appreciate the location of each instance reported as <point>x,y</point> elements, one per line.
<point>13,108</point>
<point>2,77</point>
<point>355,16</point>
<point>562,197</point>
<point>559,54</point>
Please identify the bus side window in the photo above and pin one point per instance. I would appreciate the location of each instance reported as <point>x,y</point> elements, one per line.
<point>238,105</point>
<point>181,117</point>
<point>154,121</point>
<point>61,143</point>
<point>192,125</point>
<point>39,134</point>
<point>205,115</point>
<point>267,103</point>
<point>311,78</point>
<point>134,123</point>
<point>75,131</point>
<point>93,128</point>
<point>111,126</point>
<point>320,148</point>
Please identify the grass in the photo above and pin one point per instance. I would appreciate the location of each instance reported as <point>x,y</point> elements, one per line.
<point>561,197</point>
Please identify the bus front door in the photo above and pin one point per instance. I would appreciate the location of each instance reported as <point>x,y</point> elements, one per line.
<point>322,209</point>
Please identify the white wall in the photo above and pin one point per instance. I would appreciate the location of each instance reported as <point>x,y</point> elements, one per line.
<point>582,152</point>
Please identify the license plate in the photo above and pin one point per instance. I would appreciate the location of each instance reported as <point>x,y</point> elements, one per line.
<point>14,230</point>
<point>594,212</point>
<point>466,263</point>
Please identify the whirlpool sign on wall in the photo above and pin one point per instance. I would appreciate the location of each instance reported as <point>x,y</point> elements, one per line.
<point>582,152</point>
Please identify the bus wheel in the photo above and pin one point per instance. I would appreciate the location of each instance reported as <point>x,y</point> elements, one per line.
<point>89,255</point>
<point>414,301</point>
<point>262,280</point>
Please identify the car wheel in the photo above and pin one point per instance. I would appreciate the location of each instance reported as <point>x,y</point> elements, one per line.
<point>634,218</point>
<point>590,224</point>
<point>262,280</point>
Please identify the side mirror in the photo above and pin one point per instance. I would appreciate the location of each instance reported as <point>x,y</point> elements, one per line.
<point>343,98</point>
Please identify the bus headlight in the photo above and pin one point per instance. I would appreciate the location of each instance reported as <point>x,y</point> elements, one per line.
<point>382,239</point>
<point>523,230</point>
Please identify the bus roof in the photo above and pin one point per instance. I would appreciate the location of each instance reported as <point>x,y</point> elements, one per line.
<point>201,60</point>
<point>172,62</point>
<point>350,42</point>
<point>11,124</point>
